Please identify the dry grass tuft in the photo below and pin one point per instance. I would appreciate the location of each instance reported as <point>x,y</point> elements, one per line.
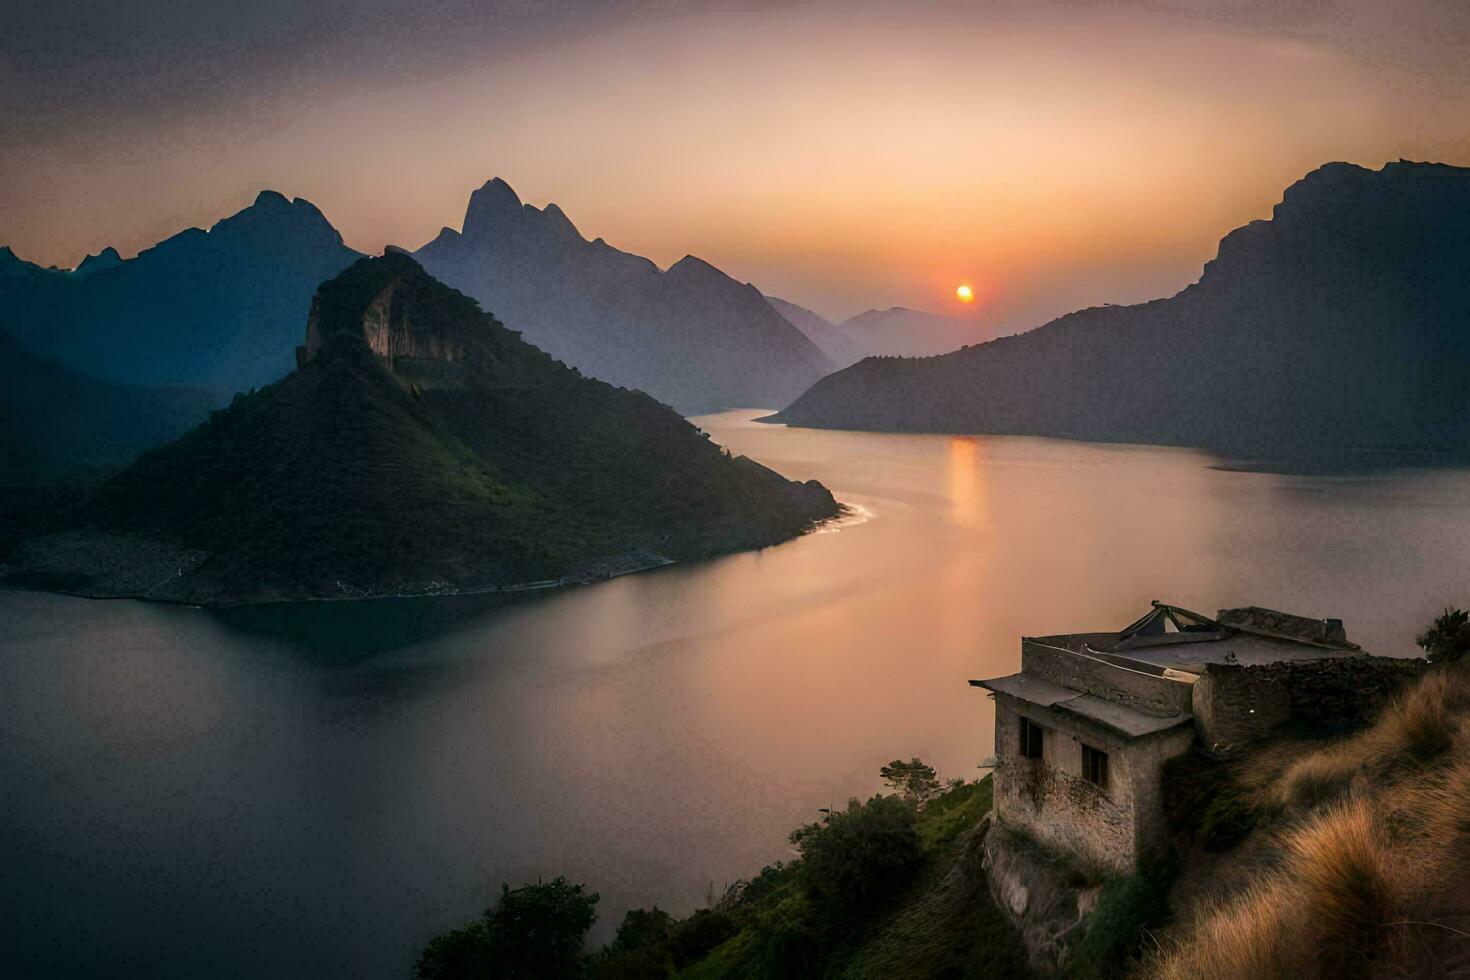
<point>1317,779</point>
<point>1344,874</point>
<point>1371,878</point>
<point>1423,721</point>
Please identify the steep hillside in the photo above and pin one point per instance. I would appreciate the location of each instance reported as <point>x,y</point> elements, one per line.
<point>1342,322</point>
<point>53,417</point>
<point>1349,857</point>
<point>690,336</point>
<point>217,309</point>
<point>420,447</point>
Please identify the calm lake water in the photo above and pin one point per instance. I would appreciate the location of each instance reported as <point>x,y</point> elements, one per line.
<point>315,790</point>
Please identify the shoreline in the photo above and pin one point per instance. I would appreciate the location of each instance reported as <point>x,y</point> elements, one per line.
<point>602,571</point>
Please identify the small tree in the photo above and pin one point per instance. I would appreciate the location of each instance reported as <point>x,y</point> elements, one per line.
<point>535,931</point>
<point>643,928</point>
<point>914,781</point>
<point>1448,637</point>
<point>856,860</point>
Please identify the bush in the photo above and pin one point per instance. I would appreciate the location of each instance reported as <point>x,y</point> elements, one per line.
<point>700,933</point>
<point>535,931</point>
<point>642,928</point>
<point>860,856</point>
<point>1448,638</point>
<point>1125,909</point>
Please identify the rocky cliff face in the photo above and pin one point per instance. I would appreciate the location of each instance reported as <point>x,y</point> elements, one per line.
<point>391,328</point>
<point>1341,323</point>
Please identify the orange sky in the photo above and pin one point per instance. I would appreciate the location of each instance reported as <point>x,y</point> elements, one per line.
<point>843,156</point>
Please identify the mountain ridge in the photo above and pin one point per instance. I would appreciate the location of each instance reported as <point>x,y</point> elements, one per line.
<point>690,335</point>
<point>216,308</point>
<point>1338,323</point>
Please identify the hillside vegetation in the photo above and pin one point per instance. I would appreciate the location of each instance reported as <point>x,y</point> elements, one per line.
<point>889,887</point>
<point>1349,857</point>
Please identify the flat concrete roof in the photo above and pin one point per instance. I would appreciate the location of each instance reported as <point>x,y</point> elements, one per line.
<point>1117,717</point>
<point>1246,649</point>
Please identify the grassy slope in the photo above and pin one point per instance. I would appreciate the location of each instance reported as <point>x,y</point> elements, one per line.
<point>1359,860</point>
<point>943,924</point>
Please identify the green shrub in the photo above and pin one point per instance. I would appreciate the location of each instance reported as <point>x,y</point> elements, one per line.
<point>700,933</point>
<point>857,859</point>
<point>1126,908</point>
<point>1447,639</point>
<point>535,931</point>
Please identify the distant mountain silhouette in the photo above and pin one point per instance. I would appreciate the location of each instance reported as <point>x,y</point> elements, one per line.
<point>690,336</point>
<point>52,417</point>
<point>420,446</point>
<point>840,349</point>
<point>902,332</point>
<point>1342,322</point>
<point>219,309</point>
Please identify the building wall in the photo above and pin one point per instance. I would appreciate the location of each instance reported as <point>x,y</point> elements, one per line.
<point>1109,828</point>
<point>1236,705</point>
<point>1149,693</point>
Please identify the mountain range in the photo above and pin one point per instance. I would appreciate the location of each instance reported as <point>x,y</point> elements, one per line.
<point>217,310</point>
<point>895,332</point>
<point>1342,322</point>
<point>690,335</point>
<point>419,447</point>
<point>220,309</point>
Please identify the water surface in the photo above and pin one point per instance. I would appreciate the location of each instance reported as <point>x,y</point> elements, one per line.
<point>317,789</point>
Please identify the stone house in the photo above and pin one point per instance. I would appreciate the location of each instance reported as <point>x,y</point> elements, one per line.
<point>1083,731</point>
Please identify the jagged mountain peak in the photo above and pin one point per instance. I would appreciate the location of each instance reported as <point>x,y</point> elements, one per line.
<point>273,216</point>
<point>102,261</point>
<point>556,221</point>
<point>490,207</point>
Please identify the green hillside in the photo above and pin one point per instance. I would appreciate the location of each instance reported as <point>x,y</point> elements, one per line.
<point>451,456</point>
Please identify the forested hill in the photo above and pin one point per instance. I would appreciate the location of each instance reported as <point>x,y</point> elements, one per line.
<point>420,447</point>
<point>1341,322</point>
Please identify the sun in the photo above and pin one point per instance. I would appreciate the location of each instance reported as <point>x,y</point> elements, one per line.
<point>964,293</point>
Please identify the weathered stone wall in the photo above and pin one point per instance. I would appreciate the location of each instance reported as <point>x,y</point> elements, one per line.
<point>1048,798</point>
<point>1146,761</point>
<point>1146,692</point>
<point>1236,705</point>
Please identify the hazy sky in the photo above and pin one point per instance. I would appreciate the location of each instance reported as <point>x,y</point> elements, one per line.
<point>842,155</point>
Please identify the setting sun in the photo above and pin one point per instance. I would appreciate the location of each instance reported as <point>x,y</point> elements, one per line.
<point>964,294</point>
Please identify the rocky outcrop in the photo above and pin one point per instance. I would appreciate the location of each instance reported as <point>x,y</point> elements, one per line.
<point>1046,900</point>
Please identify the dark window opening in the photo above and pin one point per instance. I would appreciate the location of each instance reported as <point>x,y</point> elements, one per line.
<point>1094,765</point>
<point>1031,739</point>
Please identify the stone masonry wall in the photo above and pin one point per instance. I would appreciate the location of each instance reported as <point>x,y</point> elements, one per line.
<point>1236,705</point>
<point>1108,827</point>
